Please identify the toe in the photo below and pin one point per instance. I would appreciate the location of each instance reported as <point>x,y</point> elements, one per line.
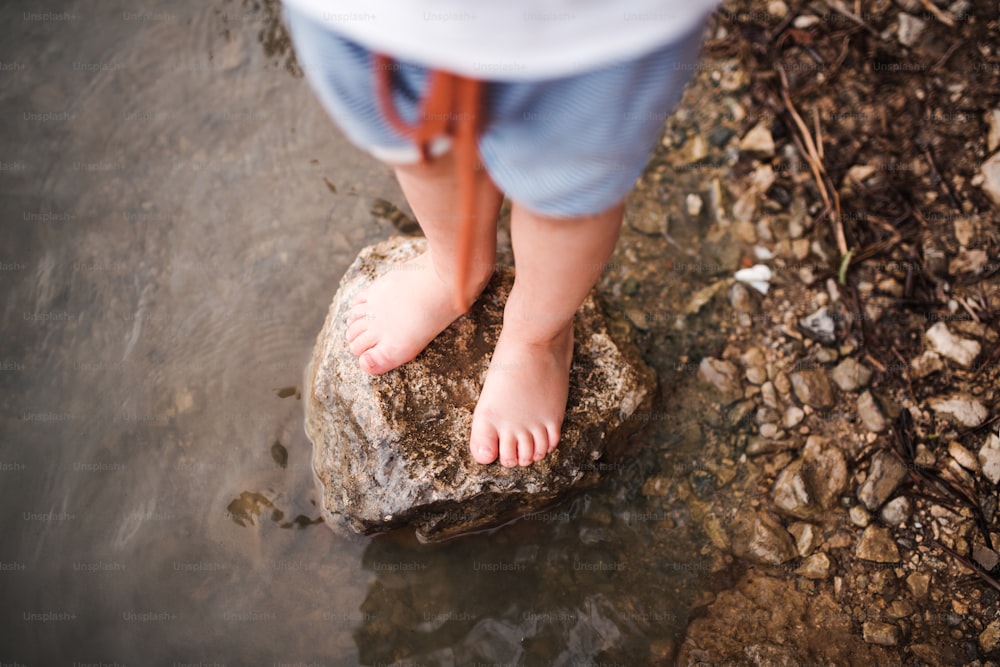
<point>541,438</point>
<point>508,450</point>
<point>374,362</point>
<point>525,448</point>
<point>483,441</point>
<point>355,328</point>
<point>361,343</point>
<point>553,431</point>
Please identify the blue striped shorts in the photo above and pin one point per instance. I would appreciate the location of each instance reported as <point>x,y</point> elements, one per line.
<point>560,147</point>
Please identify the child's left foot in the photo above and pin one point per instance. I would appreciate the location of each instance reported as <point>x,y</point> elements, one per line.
<point>523,401</point>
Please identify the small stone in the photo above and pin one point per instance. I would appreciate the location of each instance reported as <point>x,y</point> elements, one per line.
<point>805,536</point>
<point>992,119</point>
<point>899,608</point>
<point>870,414</point>
<point>777,9</point>
<point>722,375</point>
<point>896,511</point>
<point>877,632</point>
<point>989,458</point>
<point>693,203</point>
<point>962,408</point>
<point>859,516</point>
<point>884,475</point>
<point>816,566</point>
<point>991,179</point>
<point>742,299</point>
<point>927,363</point>
<point>793,416</point>
<point>804,21</point>
<point>769,395</point>
<point>819,326</point>
<point>962,351</point>
<point>791,491</point>
<point>910,29</point>
<point>812,387</point>
<point>781,383</point>
<point>720,135</point>
<point>985,557</point>
<point>826,471</point>
<point>759,537</point>
<point>963,456</point>
<point>877,545</point>
<point>989,639</point>
<point>756,375</point>
<point>850,375</point>
<point>758,142</point>
<point>769,430</point>
<point>826,355</point>
<point>695,149</point>
<point>918,583</point>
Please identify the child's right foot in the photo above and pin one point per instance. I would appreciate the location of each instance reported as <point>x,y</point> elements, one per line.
<point>393,320</point>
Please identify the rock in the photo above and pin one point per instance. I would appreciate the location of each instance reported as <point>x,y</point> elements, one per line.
<point>991,179</point>
<point>805,536</point>
<point>960,350</point>
<point>961,408</point>
<point>850,375</point>
<point>989,458</point>
<point>910,29</point>
<point>756,375</point>
<point>877,632</point>
<point>927,363</point>
<point>884,475</point>
<point>992,119</point>
<point>896,511</point>
<point>859,516</point>
<point>695,149</point>
<point>989,639</point>
<point>722,375</point>
<point>816,566</point>
<point>760,538</point>
<point>812,482</point>
<point>812,387</point>
<point>742,299</point>
<point>985,556</point>
<point>793,416</point>
<point>876,544</point>
<point>777,9</point>
<point>870,414</point>
<point>391,450</point>
<point>963,456</point>
<point>693,204</point>
<point>819,326</point>
<point>758,142</point>
<point>791,492</point>
<point>918,583</point>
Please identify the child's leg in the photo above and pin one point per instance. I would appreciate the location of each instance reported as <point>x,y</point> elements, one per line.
<point>558,261</point>
<point>395,318</point>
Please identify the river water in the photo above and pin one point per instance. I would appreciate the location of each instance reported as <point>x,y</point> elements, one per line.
<point>176,212</point>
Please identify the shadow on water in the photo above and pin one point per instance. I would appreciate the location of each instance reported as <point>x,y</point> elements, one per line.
<point>177,212</point>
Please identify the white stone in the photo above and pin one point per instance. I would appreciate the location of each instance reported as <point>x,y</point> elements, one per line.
<point>964,409</point>
<point>990,172</point>
<point>758,141</point>
<point>694,204</point>
<point>989,458</point>
<point>910,29</point>
<point>962,351</point>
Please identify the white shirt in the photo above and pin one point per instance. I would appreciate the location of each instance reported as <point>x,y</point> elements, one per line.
<point>510,39</point>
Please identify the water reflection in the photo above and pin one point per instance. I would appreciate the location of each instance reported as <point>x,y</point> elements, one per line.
<point>177,210</point>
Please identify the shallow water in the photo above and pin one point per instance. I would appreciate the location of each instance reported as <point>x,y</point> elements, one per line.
<point>169,245</point>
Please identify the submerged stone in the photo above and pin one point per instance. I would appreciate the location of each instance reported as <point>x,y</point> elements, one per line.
<point>392,450</point>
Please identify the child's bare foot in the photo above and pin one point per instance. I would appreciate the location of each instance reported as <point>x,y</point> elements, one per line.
<point>393,320</point>
<point>523,402</point>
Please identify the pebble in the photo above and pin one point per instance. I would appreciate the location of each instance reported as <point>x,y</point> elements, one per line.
<point>793,416</point>
<point>791,491</point>
<point>877,545</point>
<point>896,511</point>
<point>859,516</point>
<point>992,119</point>
<point>722,375</point>
<point>963,456</point>
<point>782,383</point>
<point>756,375</point>
<point>985,557</point>
<point>769,395</point>
<point>962,351</point>
<point>850,375</point>
<point>884,475</point>
<point>989,639</point>
<point>927,363</point>
<point>742,299</point>
<point>769,431</point>
<point>960,407</point>
<point>870,414</point>
<point>696,149</point>
<point>989,458</point>
<point>816,566</point>
<point>826,355</point>
<point>693,203</point>
<point>826,470</point>
<point>812,387</point>
<point>819,326</point>
<point>804,21</point>
<point>877,632</point>
<point>918,583</point>
<point>760,537</point>
<point>910,29</point>
<point>991,179</point>
<point>777,9</point>
<point>806,538</point>
<point>758,142</point>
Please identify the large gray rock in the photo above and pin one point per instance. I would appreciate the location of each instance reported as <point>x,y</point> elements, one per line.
<point>392,450</point>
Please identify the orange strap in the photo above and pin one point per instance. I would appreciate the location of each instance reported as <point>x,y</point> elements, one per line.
<point>450,107</point>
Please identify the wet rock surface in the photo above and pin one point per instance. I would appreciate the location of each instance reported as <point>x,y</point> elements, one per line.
<point>392,450</point>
